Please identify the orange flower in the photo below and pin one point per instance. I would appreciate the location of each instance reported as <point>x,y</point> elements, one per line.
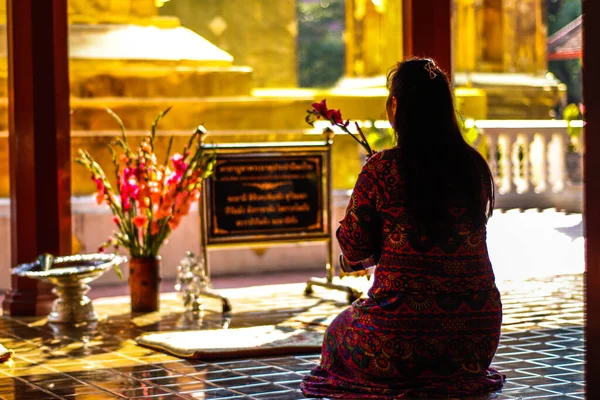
<point>195,194</point>
<point>146,147</point>
<point>184,209</point>
<point>140,221</point>
<point>174,222</point>
<point>99,198</point>
<point>154,228</point>
<point>162,212</point>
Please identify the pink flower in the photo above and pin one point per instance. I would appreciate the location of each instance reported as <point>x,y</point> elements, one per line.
<point>178,163</point>
<point>125,202</point>
<point>101,195</point>
<point>129,187</point>
<point>99,185</point>
<point>116,220</point>
<point>101,249</point>
<point>180,166</point>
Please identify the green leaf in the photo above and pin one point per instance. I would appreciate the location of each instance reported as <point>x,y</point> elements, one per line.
<point>155,124</point>
<point>169,151</point>
<point>119,121</point>
<point>119,272</point>
<point>572,113</point>
<point>471,135</point>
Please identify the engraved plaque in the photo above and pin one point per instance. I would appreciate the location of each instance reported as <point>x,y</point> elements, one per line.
<point>267,197</point>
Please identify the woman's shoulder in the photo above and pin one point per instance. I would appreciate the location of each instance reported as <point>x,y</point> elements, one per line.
<point>384,157</point>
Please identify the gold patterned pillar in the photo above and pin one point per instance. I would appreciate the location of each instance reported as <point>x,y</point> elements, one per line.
<point>525,31</point>
<point>466,35</point>
<point>541,38</point>
<point>373,36</point>
<point>490,35</point>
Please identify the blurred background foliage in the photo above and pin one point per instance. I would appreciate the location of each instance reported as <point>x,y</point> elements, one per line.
<point>560,14</point>
<point>321,54</point>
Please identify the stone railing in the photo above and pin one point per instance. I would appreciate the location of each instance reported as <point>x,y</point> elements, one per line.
<point>529,162</point>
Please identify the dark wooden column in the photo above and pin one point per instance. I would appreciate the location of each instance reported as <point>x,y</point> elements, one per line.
<point>591,94</point>
<point>427,30</point>
<point>39,143</point>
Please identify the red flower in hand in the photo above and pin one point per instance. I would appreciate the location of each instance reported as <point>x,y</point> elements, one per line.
<point>320,108</point>
<point>335,118</point>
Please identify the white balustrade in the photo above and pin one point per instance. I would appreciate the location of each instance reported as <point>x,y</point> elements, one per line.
<point>528,161</point>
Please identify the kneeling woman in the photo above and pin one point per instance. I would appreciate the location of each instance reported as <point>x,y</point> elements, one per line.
<point>431,323</point>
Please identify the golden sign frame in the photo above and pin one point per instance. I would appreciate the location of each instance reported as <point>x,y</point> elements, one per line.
<point>320,148</point>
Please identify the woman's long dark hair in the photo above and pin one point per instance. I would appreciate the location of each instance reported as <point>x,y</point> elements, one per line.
<point>439,167</point>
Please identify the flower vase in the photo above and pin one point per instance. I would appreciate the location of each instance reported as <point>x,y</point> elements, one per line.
<point>144,284</point>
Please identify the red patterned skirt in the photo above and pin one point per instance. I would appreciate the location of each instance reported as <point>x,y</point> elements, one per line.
<point>395,351</point>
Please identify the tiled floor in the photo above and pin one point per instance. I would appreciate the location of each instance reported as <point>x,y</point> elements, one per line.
<point>541,350</point>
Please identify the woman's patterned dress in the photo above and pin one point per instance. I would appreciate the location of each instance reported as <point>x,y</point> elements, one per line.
<point>431,323</point>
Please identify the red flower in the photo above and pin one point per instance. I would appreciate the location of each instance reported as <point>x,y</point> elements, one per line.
<point>100,196</point>
<point>139,221</point>
<point>154,229</point>
<point>320,108</point>
<point>99,185</point>
<point>322,111</point>
<point>335,116</point>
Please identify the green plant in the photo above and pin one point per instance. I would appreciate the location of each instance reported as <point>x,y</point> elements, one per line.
<point>380,138</point>
<point>320,42</point>
<point>570,114</point>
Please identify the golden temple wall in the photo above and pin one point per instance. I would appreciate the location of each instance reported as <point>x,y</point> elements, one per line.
<point>373,36</point>
<point>106,11</point>
<point>261,34</point>
<point>500,36</point>
<point>115,11</point>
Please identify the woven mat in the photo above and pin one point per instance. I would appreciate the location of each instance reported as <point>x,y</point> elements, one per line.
<point>216,344</point>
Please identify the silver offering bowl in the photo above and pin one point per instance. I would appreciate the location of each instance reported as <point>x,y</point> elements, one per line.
<point>70,275</point>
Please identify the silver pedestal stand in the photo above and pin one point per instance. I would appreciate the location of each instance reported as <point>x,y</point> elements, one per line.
<point>70,275</point>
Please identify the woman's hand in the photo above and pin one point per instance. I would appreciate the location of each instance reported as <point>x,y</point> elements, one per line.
<point>365,272</point>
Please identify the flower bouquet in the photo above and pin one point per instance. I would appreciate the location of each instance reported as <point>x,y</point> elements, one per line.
<point>148,201</point>
<point>320,110</point>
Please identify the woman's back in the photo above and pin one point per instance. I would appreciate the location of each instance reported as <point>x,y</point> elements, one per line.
<point>408,259</point>
<point>431,323</point>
